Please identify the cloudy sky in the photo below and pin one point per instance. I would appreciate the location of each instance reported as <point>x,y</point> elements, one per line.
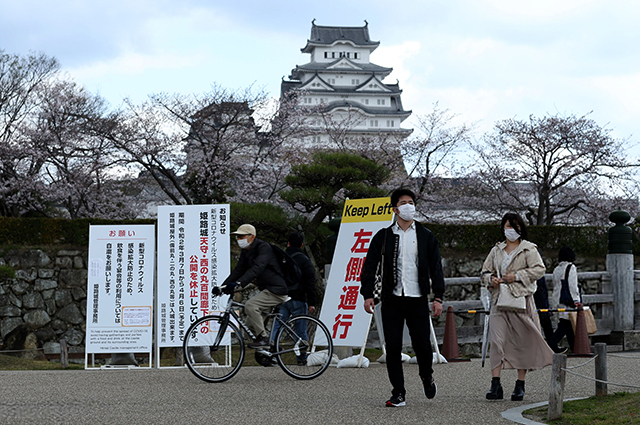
<point>485,60</point>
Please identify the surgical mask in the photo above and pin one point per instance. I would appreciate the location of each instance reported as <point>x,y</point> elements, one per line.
<point>243,243</point>
<point>406,212</point>
<point>511,234</point>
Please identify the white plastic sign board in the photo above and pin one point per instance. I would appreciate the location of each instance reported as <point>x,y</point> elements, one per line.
<point>193,257</point>
<point>343,306</point>
<point>120,289</point>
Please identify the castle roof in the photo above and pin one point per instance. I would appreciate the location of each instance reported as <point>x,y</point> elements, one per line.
<point>341,65</point>
<point>329,35</point>
<point>349,104</point>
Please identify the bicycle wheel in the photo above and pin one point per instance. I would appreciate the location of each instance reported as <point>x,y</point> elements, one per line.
<point>305,347</point>
<point>211,355</point>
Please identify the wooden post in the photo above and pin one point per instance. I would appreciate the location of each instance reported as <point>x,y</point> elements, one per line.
<point>179,356</point>
<point>64,354</point>
<point>620,266</point>
<point>556,391</point>
<point>601,368</point>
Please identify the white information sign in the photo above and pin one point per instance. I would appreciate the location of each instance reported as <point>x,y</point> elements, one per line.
<point>193,257</point>
<point>120,288</point>
<point>343,307</point>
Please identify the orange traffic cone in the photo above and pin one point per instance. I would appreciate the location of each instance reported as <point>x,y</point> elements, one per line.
<point>450,343</point>
<point>581,345</point>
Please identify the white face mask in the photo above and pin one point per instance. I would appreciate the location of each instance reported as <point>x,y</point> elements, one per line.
<point>511,234</point>
<point>243,243</point>
<point>406,212</point>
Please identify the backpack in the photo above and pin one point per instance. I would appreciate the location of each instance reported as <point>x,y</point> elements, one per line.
<point>288,267</point>
<point>565,293</point>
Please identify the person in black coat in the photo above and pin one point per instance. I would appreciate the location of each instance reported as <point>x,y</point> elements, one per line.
<point>257,264</point>
<point>412,268</point>
<point>303,298</point>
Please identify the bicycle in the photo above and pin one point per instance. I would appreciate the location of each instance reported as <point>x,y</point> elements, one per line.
<point>214,346</point>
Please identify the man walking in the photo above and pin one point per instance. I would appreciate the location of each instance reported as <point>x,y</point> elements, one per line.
<point>411,268</point>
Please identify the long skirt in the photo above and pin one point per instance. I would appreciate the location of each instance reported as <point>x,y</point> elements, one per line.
<point>516,340</point>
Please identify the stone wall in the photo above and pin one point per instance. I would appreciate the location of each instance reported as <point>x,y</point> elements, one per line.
<point>47,299</point>
<point>45,302</point>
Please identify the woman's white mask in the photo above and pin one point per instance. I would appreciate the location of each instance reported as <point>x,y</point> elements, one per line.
<point>406,211</point>
<point>511,234</point>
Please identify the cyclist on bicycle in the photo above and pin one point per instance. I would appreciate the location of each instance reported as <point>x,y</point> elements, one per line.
<point>257,263</point>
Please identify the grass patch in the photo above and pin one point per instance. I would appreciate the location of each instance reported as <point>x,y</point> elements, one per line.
<point>18,363</point>
<point>616,409</point>
<point>7,272</point>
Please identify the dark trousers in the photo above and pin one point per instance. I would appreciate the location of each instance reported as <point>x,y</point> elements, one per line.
<point>564,328</point>
<point>545,324</point>
<point>415,311</point>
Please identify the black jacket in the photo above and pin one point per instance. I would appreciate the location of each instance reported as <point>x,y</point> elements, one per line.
<point>259,263</point>
<point>430,275</point>
<point>306,291</point>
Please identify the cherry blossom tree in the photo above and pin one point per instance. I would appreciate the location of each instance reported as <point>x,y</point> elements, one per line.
<point>81,169</point>
<point>21,79</point>
<point>432,156</point>
<point>210,148</point>
<point>555,170</point>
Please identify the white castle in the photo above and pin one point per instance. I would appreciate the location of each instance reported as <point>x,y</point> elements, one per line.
<point>341,80</point>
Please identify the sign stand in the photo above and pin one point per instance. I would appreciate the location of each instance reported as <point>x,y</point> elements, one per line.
<point>343,311</point>
<point>193,257</point>
<point>120,285</point>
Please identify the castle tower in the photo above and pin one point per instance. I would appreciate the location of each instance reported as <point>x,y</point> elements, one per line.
<point>346,86</point>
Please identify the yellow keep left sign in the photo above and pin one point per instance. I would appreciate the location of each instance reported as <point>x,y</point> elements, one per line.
<point>372,209</point>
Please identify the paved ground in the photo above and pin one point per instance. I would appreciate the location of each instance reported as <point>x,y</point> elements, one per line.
<point>266,395</point>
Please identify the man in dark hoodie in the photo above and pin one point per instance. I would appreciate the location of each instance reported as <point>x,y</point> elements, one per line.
<point>303,297</point>
<point>257,264</point>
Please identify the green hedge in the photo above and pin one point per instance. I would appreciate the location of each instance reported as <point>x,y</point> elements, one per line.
<point>478,239</point>
<point>52,231</point>
<point>274,224</point>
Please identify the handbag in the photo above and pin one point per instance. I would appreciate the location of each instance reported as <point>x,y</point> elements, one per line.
<point>506,300</point>
<point>565,293</point>
<point>377,283</point>
<point>588,318</point>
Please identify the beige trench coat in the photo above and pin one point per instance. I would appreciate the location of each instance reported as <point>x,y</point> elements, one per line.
<point>526,262</point>
<point>516,340</point>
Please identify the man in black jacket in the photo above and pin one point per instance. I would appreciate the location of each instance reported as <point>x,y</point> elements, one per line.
<point>257,263</point>
<point>303,298</point>
<point>412,267</point>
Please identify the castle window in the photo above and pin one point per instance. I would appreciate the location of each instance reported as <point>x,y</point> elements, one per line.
<point>390,123</point>
<point>349,55</point>
<point>373,123</point>
<point>355,55</point>
<point>365,101</point>
<point>326,55</point>
<point>333,55</point>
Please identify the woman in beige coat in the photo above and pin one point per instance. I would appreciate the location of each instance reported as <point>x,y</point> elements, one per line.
<point>515,337</point>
